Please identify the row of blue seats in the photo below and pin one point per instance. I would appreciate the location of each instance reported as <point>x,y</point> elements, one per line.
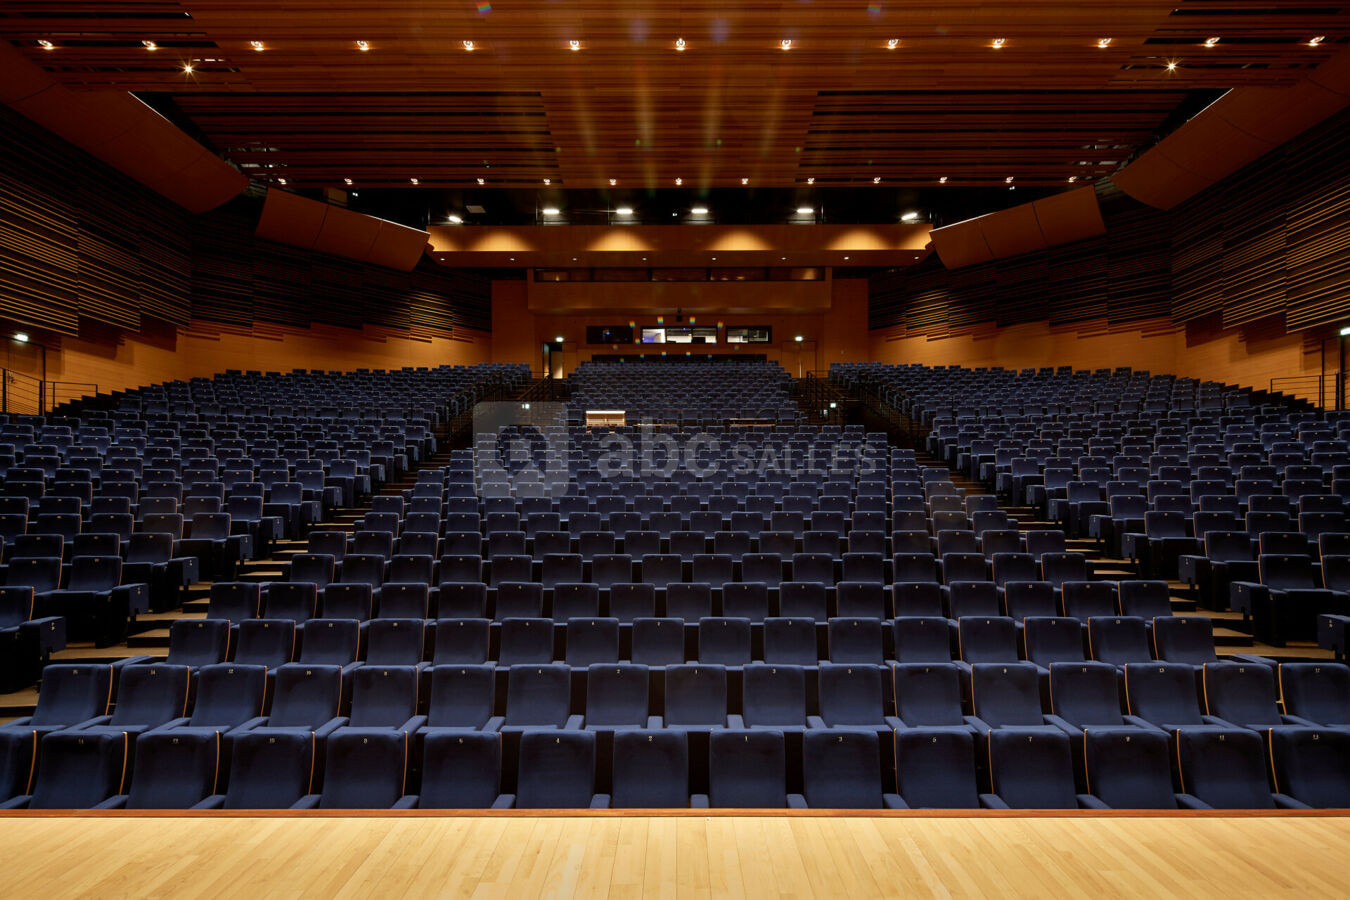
<point>1087,716</point>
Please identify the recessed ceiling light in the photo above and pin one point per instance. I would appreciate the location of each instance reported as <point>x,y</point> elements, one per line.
<point>942,180</point>
<point>150,45</point>
<point>714,259</point>
<point>785,44</point>
<point>454,220</point>
<point>804,210</point>
<point>892,43</point>
<point>1103,43</point>
<point>1317,40</point>
<point>281,181</point>
<point>187,68</point>
<point>679,181</point>
<point>680,44</point>
<point>511,259</point>
<point>745,181</point>
<point>798,337</point>
<point>574,259</point>
<point>548,181</point>
<point>1211,42</point>
<point>481,181</point>
<point>845,257</point>
<point>21,337</point>
<point>550,210</point>
<point>363,46</point>
<point>909,216</point>
<point>1072,179</point>
<point>624,211</point>
<point>811,180</point>
<point>1008,180</point>
<point>1171,65</point>
<point>877,180</point>
<point>355,194</point>
<point>613,181</point>
<point>559,338</point>
<point>414,181</point>
<point>575,45</point>
<point>468,45</point>
<point>699,210</point>
<point>999,42</point>
<point>346,181</point>
<point>257,45</point>
<point>782,257</point>
<point>46,45</point>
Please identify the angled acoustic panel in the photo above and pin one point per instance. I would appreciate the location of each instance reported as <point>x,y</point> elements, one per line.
<point>1060,219</point>
<point>1237,129</point>
<point>122,131</point>
<point>291,219</point>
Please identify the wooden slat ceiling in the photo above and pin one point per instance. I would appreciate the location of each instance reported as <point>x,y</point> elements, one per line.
<point>838,107</point>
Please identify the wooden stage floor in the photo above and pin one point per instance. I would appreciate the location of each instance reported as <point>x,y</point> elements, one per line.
<point>638,855</point>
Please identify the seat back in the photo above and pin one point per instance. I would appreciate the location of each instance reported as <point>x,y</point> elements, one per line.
<point>651,770</point>
<point>747,769</point>
<point>1031,769</point>
<point>228,694</point>
<point>462,696</point>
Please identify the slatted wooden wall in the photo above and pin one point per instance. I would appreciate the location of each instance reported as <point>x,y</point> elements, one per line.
<point>1272,239</point>
<point>80,242</point>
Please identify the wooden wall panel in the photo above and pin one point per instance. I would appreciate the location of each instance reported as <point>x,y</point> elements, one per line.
<point>1270,243</point>
<point>81,244</point>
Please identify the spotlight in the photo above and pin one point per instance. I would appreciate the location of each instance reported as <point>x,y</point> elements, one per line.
<point>550,210</point>
<point>454,220</point>
<point>1211,42</point>
<point>942,180</point>
<point>679,44</point>
<point>22,337</point>
<point>575,45</point>
<point>811,180</point>
<point>624,211</point>
<point>1317,40</point>
<point>804,210</point>
<point>363,46</point>
<point>257,46</point>
<point>797,338</point>
<point>699,210</point>
<point>468,45</point>
<point>1103,43</point>
<point>892,43</point>
<point>998,43</point>
<point>46,45</point>
<point>613,181</point>
<point>785,44</point>
<point>150,45</point>
<point>909,216</point>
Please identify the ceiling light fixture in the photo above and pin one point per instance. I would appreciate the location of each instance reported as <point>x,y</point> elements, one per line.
<point>804,210</point>
<point>550,210</point>
<point>1008,180</point>
<point>481,181</point>
<point>624,211</point>
<point>798,337</point>
<point>892,43</point>
<point>559,338</point>
<point>187,68</point>
<point>468,45</point>
<point>613,181</point>
<point>21,337</point>
<point>1317,40</point>
<point>909,216</point>
<point>46,45</point>
<point>1171,65</point>
<point>785,44</point>
<point>999,42</point>
<point>845,257</point>
<point>346,181</point>
<point>414,181</point>
<point>575,45</point>
<point>1072,179</point>
<point>150,45</point>
<point>811,180</point>
<point>745,181</point>
<point>548,181</point>
<point>454,220</point>
<point>363,46</point>
<point>679,44</point>
<point>1210,42</point>
<point>1103,43</point>
<point>942,180</point>
<point>679,181</point>
<point>281,181</point>
<point>699,210</point>
<point>876,180</point>
<point>257,46</point>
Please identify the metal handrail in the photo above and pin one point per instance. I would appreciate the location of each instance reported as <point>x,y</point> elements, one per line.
<point>1327,391</point>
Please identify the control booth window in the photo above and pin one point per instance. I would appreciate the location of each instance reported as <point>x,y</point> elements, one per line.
<point>680,334</point>
<point>749,334</point>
